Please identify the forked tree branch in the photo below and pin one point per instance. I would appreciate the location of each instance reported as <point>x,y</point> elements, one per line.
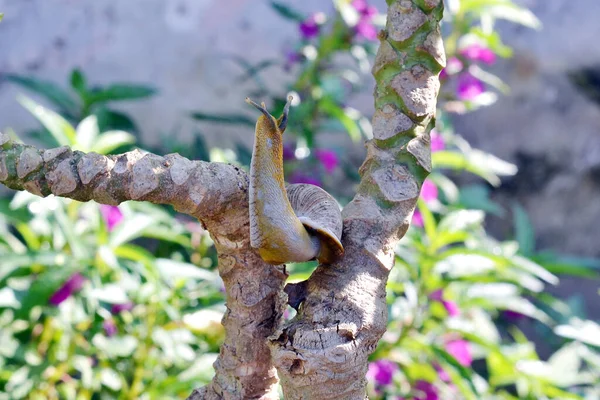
<point>214,193</point>
<point>322,354</point>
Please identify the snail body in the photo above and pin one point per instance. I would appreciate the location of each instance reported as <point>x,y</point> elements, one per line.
<point>303,226</point>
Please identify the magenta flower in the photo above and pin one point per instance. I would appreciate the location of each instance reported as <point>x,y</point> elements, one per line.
<point>425,391</point>
<point>328,159</point>
<point>469,87</point>
<point>110,328</point>
<point>112,216</point>
<point>477,52</point>
<point>437,141</point>
<point>309,28</point>
<point>365,28</point>
<point>453,66</point>
<point>118,308</point>
<point>382,372</point>
<point>302,178</point>
<point>417,219</point>
<point>450,306</point>
<point>72,285</point>
<point>460,350</point>
<point>429,192</point>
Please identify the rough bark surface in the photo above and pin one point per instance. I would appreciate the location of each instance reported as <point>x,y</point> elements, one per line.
<point>322,353</point>
<point>214,193</point>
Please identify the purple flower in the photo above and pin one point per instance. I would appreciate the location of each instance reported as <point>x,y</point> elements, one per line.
<point>72,285</point>
<point>363,8</point>
<point>450,306</point>
<point>425,391</point>
<point>429,192</point>
<point>437,141</point>
<point>112,216</point>
<point>513,316</point>
<point>417,219</point>
<point>477,52</point>
<point>110,328</point>
<point>291,57</point>
<point>328,159</point>
<point>460,350</point>
<point>366,29</point>
<point>453,66</point>
<point>117,308</point>
<point>288,152</point>
<point>469,87</point>
<point>382,372</point>
<point>301,178</point>
<point>309,28</point>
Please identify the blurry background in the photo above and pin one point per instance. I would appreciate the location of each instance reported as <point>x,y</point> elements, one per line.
<point>548,125</point>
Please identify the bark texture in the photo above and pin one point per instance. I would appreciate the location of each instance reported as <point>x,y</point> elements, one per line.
<point>322,354</point>
<point>342,313</point>
<point>216,194</point>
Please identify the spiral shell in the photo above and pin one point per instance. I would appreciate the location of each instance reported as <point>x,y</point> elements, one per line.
<point>320,214</point>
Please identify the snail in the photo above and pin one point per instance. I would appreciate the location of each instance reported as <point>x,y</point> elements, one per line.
<point>299,223</point>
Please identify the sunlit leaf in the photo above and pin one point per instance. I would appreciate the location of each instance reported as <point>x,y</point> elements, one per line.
<point>585,331</point>
<point>60,129</point>
<point>87,133</point>
<point>111,140</point>
<point>47,89</point>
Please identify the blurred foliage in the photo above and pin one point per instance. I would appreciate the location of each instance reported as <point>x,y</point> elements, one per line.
<point>102,302</point>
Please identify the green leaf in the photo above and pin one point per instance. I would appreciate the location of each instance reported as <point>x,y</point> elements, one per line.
<point>235,119</point>
<point>533,268</point>
<point>78,81</point>
<point>116,346</point>
<point>244,155</point>
<point>112,140</point>
<point>129,229</point>
<point>87,133</point>
<point>174,269</point>
<point>465,373</point>
<point>119,92</point>
<point>42,288</point>
<point>114,120</point>
<point>344,117</point>
<point>478,197</point>
<point>287,12</point>
<point>1,16</point>
<point>60,129</point>
<point>585,331</point>
<point>478,162</point>
<point>49,90</point>
<point>524,233</point>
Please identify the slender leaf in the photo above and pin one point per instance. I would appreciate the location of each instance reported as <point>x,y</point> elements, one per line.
<point>112,140</point>
<point>119,92</point>
<point>49,90</point>
<point>60,129</point>
<point>287,12</point>
<point>235,119</point>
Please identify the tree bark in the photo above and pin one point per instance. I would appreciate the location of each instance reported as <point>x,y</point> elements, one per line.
<point>323,353</point>
<point>214,193</point>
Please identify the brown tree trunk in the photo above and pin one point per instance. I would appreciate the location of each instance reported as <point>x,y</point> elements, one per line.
<point>323,352</point>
